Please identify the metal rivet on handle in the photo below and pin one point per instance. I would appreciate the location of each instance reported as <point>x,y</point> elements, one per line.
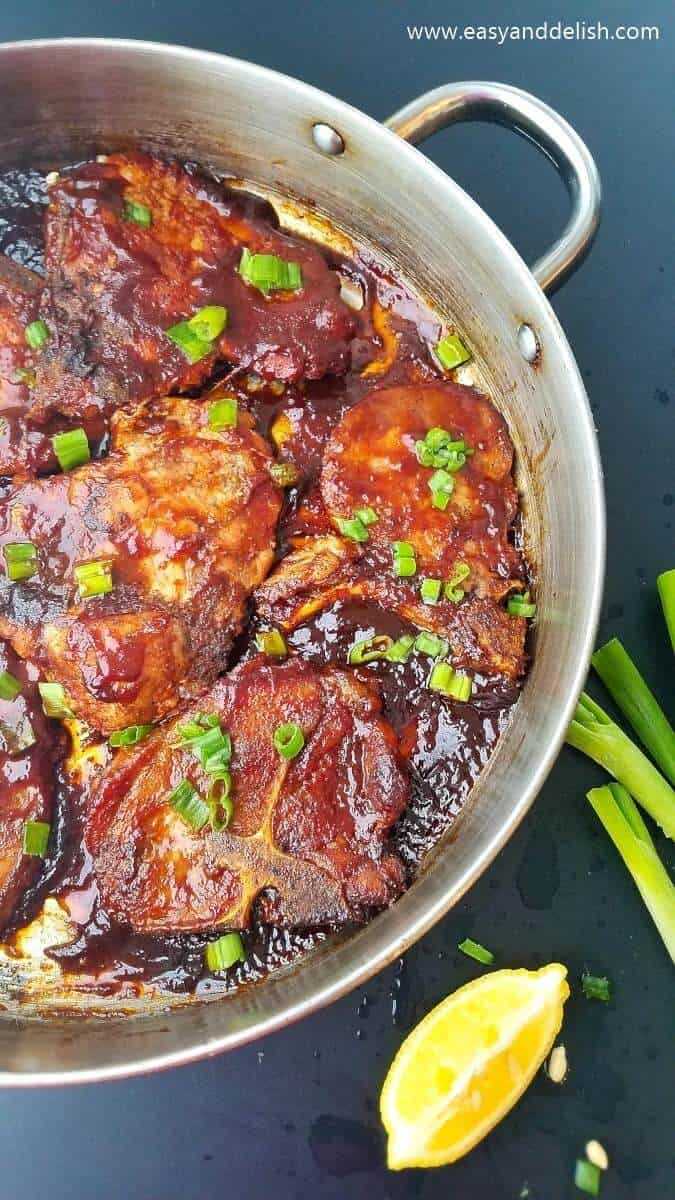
<point>327,139</point>
<point>527,343</point>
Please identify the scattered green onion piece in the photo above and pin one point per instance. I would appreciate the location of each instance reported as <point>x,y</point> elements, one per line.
<point>430,591</point>
<point>666,587</point>
<point>9,686</point>
<point>193,347</point>
<point>452,590</point>
<point>271,643</point>
<point>401,649</point>
<point>451,352</point>
<point>36,838</point>
<point>285,474</point>
<point>221,808</point>
<point>431,644</point>
<point>441,485</point>
<point>404,563</point>
<point>71,449</point>
<point>436,438</point>
<point>439,449</point>
<point>36,334</point>
<point>129,736</point>
<point>425,455</point>
<point>450,683</point>
<point>629,690</point>
<point>269,273</point>
<point>223,413</point>
<point>188,804</point>
<point>352,527</point>
<point>371,649</point>
<point>137,214</point>
<point>225,952</point>
<point>367,515</point>
<point>288,740</point>
<point>521,606</point>
<point>25,375</point>
<point>595,734</point>
<point>21,559</point>
<point>595,987</point>
<point>94,579</point>
<point>475,950</point>
<point>209,322</point>
<point>54,701</point>
<point>622,821</point>
<point>212,746</point>
<point>587,1177</point>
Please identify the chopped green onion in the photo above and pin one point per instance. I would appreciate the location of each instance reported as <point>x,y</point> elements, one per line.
<point>627,687</point>
<point>449,682</point>
<point>587,1177</point>
<point>223,413</point>
<point>36,838</point>
<point>475,950</point>
<point>94,579</point>
<point>666,586</point>
<point>403,559</point>
<point>54,701</point>
<point>521,606</point>
<point>186,339</point>
<point>431,644</point>
<point>208,323</point>
<point>439,449</point>
<point>288,740</point>
<point>451,352</point>
<point>271,643</point>
<point>367,515</point>
<point>401,649</point>
<point>352,527</point>
<point>285,474</point>
<point>595,734</point>
<point>268,272</point>
<point>371,649</point>
<point>129,736</point>
<point>441,485</point>
<point>21,559</point>
<point>430,591</point>
<point>452,589</point>
<point>622,821</point>
<point>36,334</point>
<point>25,375</point>
<point>224,952</point>
<point>71,448</point>
<point>595,987</point>
<point>9,686</point>
<point>188,804</point>
<point>137,214</point>
<point>221,808</point>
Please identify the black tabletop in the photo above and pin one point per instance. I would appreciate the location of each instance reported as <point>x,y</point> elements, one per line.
<point>296,1116</point>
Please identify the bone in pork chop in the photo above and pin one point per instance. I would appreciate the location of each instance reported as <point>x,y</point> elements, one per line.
<point>372,462</point>
<point>183,518</point>
<point>309,831</point>
<point>135,245</point>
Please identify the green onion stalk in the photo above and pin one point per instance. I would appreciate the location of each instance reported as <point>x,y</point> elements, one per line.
<point>627,687</point>
<point>666,586</point>
<point>595,734</point>
<point>622,821</point>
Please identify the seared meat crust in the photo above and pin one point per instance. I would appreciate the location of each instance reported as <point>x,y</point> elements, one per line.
<point>311,830</point>
<point>186,517</point>
<point>115,286</point>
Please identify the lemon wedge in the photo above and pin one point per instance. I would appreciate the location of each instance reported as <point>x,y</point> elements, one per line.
<point>465,1065</point>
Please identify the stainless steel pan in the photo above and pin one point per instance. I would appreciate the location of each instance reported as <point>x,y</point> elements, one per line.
<point>319,159</point>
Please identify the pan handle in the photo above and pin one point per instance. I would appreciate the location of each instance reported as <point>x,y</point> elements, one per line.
<point>505,105</point>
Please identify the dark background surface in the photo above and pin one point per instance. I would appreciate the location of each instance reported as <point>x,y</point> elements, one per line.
<point>296,1116</point>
